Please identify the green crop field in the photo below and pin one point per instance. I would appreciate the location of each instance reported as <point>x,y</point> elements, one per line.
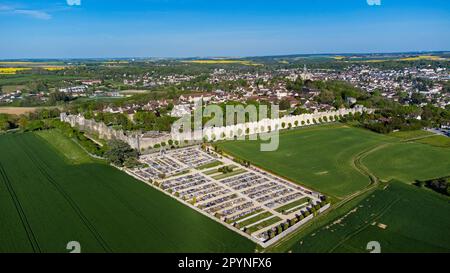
<point>401,217</point>
<point>319,157</point>
<point>324,158</point>
<point>337,160</point>
<point>409,161</point>
<point>46,202</point>
<point>411,134</point>
<point>438,141</point>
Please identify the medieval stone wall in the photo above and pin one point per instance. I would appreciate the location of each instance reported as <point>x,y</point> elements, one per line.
<point>140,142</point>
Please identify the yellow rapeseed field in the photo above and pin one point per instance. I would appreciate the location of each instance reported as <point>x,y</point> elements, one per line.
<point>410,59</point>
<point>12,70</point>
<point>423,57</point>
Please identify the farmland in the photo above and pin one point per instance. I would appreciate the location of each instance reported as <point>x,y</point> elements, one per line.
<point>12,70</point>
<point>409,161</point>
<point>17,110</point>
<point>49,202</point>
<point>23,79</point>
<point>401,217</point>
<point>13,67</point>
<point>330,166</point>
<point>327,167</point>
<point>53,193</point>
<point>224,61</point>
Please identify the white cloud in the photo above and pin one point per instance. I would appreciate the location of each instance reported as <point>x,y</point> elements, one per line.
<point>33,13</point>
<point>74,2</point>
<point>37,14</point>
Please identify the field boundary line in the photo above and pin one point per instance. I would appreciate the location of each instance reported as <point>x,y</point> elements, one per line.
<point>361,168</point>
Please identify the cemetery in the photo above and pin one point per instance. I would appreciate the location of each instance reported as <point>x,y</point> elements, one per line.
<point>260,206</point>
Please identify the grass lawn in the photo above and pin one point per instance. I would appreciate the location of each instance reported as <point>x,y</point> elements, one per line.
<point>293,204</point>
<point>213,171</point>
<point>216,170</point>
<point>263,224</point>
<point>319,157</point>
<point>410,134</point>
<point>232,173</point>
<point>69,148</point>
<point>46,202</point>
<point>210,165</point>
<point>255,219</point>
<point>424,137</point>
<point>245,216</point>
<point>401,217</point>
<point>23,79</point>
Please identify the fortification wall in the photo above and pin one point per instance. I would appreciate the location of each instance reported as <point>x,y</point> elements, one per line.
<point>139,141</point>
<point>266,125</point>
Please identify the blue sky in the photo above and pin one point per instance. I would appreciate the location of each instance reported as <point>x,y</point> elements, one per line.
<point>187,28</point>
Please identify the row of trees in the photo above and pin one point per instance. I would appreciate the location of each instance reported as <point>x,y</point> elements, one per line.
<point>121,154</point>
<point>441,185</point>
<point>8,122</point>
<point>403,118</point>
<point>298,217</point>
<point>27,122</point>
<point>115,151</point>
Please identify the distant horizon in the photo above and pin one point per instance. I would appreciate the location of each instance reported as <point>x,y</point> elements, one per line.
<point>231,57</point>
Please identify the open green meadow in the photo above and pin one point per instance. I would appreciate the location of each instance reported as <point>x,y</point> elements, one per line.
<point>401,217</point>
<point>47,201</point>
